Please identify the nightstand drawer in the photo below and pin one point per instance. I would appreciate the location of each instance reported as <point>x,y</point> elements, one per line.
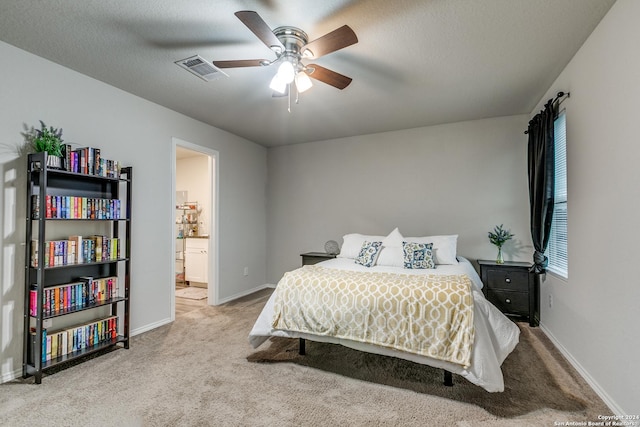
<point>510,302</point>
<point>512,288</point>
<point>506,279</point>
<point>310,258</point>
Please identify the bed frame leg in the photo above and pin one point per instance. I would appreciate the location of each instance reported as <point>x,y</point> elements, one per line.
<point>448,378</point>
<point>301,347</point>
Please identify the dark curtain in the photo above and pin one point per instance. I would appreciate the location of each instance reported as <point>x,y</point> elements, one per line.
<point>541,182</point>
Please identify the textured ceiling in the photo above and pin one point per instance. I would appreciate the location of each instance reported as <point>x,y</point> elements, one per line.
<point>417,62</point>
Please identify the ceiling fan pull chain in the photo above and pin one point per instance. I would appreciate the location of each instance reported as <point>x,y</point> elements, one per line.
<point>289,98</point>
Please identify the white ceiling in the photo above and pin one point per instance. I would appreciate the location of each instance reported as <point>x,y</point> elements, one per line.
<point>417,62</point>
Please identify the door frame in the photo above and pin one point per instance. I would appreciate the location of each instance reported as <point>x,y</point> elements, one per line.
<point>213,231</point>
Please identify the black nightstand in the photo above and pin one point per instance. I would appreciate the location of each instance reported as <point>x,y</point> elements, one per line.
<point>310,258</point>
<point>512,289</point>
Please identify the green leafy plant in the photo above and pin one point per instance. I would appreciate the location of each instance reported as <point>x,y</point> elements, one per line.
<point>499,235</point>
<point>47,139</point>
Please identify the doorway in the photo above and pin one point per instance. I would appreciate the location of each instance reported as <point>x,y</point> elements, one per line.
<point>194,224</point>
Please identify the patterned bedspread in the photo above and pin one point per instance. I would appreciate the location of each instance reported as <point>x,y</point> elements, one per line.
<point>430,315</point>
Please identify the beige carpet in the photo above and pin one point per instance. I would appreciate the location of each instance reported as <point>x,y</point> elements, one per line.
<point>191,293</point>
<point>200,371</point>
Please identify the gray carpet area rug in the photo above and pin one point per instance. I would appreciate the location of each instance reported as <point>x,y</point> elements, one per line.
<point>201,371</point>
<point>192,293</point>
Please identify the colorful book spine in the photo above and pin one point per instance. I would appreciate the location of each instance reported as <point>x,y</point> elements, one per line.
<point>66,155</point>
<point>35,206</point>
<point>56,344</point>
<point>34,252</point>
<point>33,302</point>
<point>74,207</point>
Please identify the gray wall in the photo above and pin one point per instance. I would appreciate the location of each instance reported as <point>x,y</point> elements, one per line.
<point>139,133</point>
<point>595,312</point>
<point>461,178</point>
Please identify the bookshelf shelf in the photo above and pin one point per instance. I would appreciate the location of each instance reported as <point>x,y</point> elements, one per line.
<point>64,312</point>
<point>55,267</point>
<point>73,309</point>
<point>82,219</point>
<point>187,222</point>
<point>78,354</point>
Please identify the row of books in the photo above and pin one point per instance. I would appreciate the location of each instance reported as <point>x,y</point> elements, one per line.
<point>77,338</point>
<point>76,250</point>
<point>74,207</point>
<point>87,160</point>
<point>73,296</point>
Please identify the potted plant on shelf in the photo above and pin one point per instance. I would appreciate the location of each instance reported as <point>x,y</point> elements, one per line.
<point>498,237</point>
<point>47,139</point>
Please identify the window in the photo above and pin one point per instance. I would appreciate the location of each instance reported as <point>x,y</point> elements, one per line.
<point>557,248</point>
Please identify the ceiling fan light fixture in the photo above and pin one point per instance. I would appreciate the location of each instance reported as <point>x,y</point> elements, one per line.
<point>291,45</point>
<point>303,82</point>
<point>286,72</point>
<point>278,85</point>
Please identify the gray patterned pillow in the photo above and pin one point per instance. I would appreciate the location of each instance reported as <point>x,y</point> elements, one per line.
<point>369,253</point>
<point>418,255</point>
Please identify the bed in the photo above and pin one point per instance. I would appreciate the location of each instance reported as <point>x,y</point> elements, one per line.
<point>480,347</point>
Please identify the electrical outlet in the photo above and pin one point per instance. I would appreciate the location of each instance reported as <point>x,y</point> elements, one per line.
<point>550,301</point>
<point>246,271</point>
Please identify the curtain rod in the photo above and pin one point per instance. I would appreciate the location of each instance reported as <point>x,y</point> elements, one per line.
<point>557,99</point>
<point>562,94</point>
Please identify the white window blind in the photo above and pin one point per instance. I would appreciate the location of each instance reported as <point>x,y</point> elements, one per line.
<point>557,248</point>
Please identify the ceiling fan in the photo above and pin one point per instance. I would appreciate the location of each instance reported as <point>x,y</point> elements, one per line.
<point>291,46</point>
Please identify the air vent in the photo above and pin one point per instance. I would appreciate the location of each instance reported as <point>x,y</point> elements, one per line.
<point>201,68</point>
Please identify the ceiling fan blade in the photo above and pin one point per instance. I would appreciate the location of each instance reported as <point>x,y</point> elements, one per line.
<point>240,63</point>
<point>256,24</point>
<point>330,42</point>
<point>327,76</point>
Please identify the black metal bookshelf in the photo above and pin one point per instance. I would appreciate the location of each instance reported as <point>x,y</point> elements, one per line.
<point>43,181</point>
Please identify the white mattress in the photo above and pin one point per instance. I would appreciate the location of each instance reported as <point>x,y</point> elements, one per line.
<point>495,335</point>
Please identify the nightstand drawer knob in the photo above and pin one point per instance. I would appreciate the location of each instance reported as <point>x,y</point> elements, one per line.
<point>507,280</point>
<point>508,301</point>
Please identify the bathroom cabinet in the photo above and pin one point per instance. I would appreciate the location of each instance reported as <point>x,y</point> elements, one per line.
<point>196,259</point>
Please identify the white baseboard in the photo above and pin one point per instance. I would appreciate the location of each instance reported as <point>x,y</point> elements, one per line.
<point>150,326</point>
<point>245,293</point>
<point>583,373</point>
<point>10,376</point>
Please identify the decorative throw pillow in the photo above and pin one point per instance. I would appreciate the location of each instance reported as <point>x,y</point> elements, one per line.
<point>444,247</point>
<point>368,253</point>
<point>418,255</point>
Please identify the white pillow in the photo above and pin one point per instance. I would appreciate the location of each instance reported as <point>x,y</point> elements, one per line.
<point>391,253</point>
<point>444,247</point>
<point>352,243</point>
